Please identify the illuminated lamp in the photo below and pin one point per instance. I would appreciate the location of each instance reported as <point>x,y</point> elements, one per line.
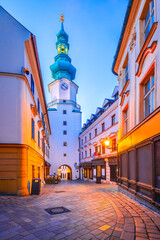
<point>106,142</point>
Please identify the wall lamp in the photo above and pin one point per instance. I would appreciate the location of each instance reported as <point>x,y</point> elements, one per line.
<point>25,70</point>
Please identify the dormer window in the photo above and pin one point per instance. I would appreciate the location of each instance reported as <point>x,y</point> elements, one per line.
<point>62,49</point>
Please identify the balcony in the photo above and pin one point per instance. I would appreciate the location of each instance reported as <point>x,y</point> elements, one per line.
<point>61,101</point>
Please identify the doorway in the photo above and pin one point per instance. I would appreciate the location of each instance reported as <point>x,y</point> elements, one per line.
<point>65,172</point>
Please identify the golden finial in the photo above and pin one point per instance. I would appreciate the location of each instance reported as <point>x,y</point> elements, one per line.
<point>62,18</point>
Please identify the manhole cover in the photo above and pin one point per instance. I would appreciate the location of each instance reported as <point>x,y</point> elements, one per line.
<point>57,210</point>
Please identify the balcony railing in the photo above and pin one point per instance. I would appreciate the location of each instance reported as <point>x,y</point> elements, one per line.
<point>61,101</point>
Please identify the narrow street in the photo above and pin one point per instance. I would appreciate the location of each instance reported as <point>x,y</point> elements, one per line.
<point>96,212</point>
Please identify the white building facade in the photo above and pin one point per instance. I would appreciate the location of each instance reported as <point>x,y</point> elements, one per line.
<point>24,123</point>
<point>64,113</point>
<point>98,143</point>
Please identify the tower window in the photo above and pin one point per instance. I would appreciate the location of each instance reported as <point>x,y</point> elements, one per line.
<point>64,123</point>
<point>64,111</point>
<point>64,154</point>
<point>64,144</point>
<point>65,132</point>
<point>95,132</point>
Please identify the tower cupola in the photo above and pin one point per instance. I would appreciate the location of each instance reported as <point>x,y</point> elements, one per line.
<point>62,68</point>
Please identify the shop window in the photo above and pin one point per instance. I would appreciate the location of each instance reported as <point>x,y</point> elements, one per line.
<point>85,172</point>
<point>149,96</point>
<point>90,174</point>
<point>103,127</point>
<point>98,171</point>
<point>149,19</point>
<point>157,162</point>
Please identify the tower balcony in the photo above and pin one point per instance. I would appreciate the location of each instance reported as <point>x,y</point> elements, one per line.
<point>66,102</point>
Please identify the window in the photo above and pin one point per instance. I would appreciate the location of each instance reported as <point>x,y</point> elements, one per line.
<point>64,111</point>
<point>64,144</point>
<point>103,148</point>
<point>149,19</point>
<point>82,155</point>
<point>33,172</point>
<point>64,123</point>
<point>64,132</point>
<point>95,132</point>
<point>82,141</point>
<point>99,149</point>
<point>89,136</point>
<point>114,144</point>
<point>64,154</point>
<point>32,85</point>
<point>33,129</point>
<point>103,127</point>
<point>149,92</point>
<point>38,139</point>
<point>38,105</point>
<point>126,73</point>
<point>90,152</point>
<point>113,119</point>
<point>85,139</point>
<point>38,172</point>
<point>126,121</point>
<point>96,149</point>
<point>85,154</point>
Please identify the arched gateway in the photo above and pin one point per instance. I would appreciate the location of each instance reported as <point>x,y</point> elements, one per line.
<point>65,172</point>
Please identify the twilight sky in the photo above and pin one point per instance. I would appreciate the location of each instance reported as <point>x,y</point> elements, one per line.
<point>93,27</point>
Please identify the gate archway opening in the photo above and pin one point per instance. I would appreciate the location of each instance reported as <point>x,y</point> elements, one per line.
<point>65,172</point>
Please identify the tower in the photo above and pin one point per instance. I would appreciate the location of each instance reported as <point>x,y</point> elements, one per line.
<point>64,112</point>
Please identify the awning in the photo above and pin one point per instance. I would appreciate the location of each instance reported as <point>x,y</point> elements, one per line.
<point>98,162</point>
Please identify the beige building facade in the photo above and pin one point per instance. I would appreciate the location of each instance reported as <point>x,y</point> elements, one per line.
<point>137,64</point>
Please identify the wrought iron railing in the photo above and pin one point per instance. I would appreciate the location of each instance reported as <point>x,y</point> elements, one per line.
<point>61,101</point>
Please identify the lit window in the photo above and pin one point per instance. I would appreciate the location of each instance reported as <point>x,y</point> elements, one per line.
<point>99,149</point>
<point>149,19</point>
<point>149,92</point>
<point>113,119</point>
<point>64,132</point>
<point>103,127</point>
<point>32,85</point>
<point>64,123</point>
<point>64,111</point>
<point>33,129</point>
<point>65,144</point>
<point>114,144</point>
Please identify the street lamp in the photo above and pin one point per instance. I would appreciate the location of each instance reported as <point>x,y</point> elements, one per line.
<point>106,142</point>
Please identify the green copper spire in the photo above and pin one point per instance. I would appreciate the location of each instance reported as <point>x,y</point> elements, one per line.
<point>62,68</point>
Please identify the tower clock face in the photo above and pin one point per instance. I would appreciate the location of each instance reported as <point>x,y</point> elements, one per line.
<point>64,86</point>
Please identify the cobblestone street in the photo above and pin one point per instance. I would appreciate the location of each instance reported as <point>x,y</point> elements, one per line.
<point>96,212</point>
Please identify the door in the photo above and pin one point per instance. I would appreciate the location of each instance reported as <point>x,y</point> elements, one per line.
<point>113,176</point>
<point>87,173</point>
<point>98,171</point>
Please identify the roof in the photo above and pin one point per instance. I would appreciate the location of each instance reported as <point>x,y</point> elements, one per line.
<point>122,33</point>
<point>107,101</point>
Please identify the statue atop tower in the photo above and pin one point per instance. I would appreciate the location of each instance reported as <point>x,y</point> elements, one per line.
<point>62,68</point>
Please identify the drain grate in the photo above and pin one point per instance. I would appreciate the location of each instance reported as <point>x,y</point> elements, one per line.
<point>59,191</point>
<point>57,210</point>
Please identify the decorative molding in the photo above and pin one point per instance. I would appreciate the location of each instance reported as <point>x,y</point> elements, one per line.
<point>39,123</point>
<point>144,55</point>
<point>124,88</point>
<point>148,39</point>
<point>133,40</point>
<point>43,132</point>
<point>33,109</point>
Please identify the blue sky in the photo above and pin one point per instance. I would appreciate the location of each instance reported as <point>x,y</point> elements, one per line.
<point>93,27</point>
